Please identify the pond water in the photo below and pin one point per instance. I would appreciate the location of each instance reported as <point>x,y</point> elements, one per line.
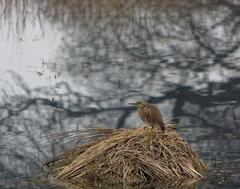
<point>61,72</point>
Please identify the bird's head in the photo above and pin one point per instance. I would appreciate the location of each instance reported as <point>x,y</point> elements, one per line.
<point>138,103</point>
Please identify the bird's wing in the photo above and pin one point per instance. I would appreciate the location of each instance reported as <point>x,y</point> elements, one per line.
<point>149,115</point>
<point>158,118</point>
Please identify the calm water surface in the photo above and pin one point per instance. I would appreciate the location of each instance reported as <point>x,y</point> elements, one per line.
<point>65,74</point>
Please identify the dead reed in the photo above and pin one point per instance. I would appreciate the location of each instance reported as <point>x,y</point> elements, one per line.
<point>129,156</point>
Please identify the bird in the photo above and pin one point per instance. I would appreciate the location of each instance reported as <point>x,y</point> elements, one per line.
<point>149,114</point>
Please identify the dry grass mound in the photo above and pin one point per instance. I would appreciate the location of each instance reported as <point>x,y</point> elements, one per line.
<point>129,156</point>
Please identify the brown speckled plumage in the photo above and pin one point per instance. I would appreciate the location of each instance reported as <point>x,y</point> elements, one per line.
<point>150,114</point>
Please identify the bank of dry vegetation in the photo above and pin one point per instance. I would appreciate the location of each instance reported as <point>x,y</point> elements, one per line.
<point>129,156</point>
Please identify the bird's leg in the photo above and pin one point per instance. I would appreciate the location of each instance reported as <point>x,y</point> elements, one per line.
<point>145,126</point>
<point>152,127</point>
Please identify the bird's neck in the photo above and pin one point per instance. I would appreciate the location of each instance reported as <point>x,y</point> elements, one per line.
<point>141,106</point>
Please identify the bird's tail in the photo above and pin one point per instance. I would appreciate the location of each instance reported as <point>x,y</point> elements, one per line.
<point>162,125</point>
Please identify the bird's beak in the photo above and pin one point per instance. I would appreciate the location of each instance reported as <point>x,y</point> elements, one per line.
<point>133,103</point>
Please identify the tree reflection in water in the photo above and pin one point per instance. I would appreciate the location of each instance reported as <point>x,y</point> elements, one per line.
<point>184,58</point>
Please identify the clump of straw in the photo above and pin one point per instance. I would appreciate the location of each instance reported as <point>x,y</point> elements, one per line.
<point>130,156</point>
